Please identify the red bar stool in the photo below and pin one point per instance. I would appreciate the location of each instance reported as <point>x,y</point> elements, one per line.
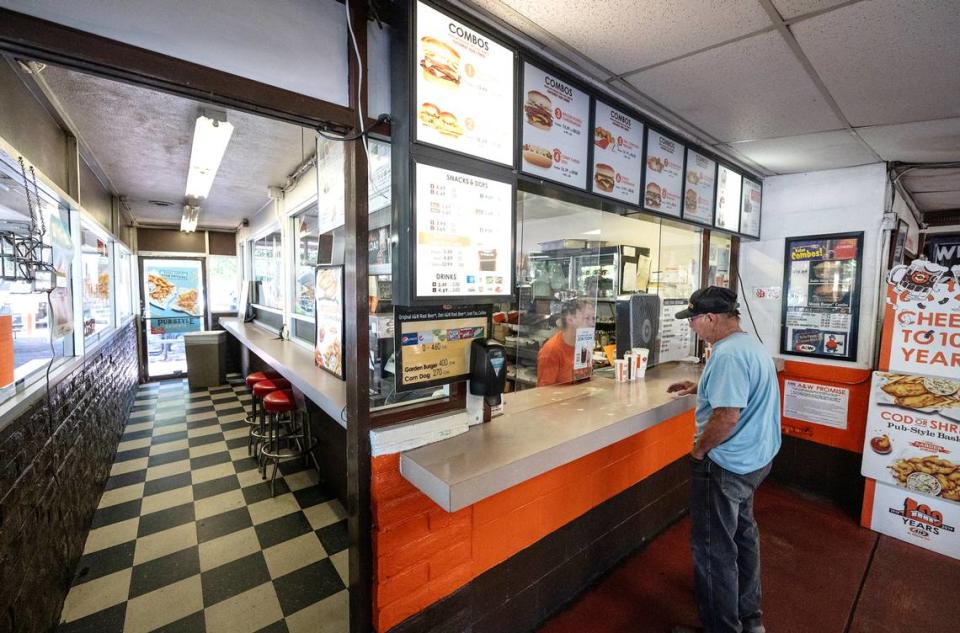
<point>294,444</point>
<point>253,379</point>
<point>257,424</point>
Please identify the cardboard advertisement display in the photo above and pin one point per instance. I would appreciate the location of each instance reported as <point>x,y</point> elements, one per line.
<point>329,312</point>
<point>928,523</point>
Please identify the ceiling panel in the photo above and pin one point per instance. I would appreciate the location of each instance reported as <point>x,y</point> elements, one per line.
<point>922,142</point>
<point>792,8</point>
<point>625,35</point>
<point>920,180</point>
<point>888,61</point>
<point>751,89</point>
<point>810,152</point>
<point>941,201</point>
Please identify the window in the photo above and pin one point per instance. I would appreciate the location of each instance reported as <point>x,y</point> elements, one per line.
<point>124,289</point>
<point>96,261</point>
<point>268,271</point>
<point>718,271</point>
<point>306,230</point>
<point>224,272</point>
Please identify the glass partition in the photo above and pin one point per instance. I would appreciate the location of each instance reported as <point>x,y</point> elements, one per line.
<point>268,271</point>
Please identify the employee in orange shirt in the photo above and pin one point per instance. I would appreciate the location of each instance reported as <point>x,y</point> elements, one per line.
<point>555,360</point>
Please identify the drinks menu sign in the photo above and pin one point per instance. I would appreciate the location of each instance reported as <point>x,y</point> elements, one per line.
<point>698,196</point>
<point>664,174</point>
<point>750,208</point>
<point>617,152</point>
<point>464,234</point>
<point>728,199</point>
<point>555,120</point>
<point>464,96</point>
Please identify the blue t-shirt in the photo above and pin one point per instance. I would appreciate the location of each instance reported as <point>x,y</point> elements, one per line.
<point>741,374</point>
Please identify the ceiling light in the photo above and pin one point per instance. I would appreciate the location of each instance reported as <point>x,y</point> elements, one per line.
<point>211,133</point>
<point>188,221</point>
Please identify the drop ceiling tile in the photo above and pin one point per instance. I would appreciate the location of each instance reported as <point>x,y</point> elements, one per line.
<point>624,35</point>
<point>809,152</point>
<point>792,8</point>
<point>888,61</point>
<point>750,89</point>
<point>925,180</point>
<point>920,142</point>
<point>942,201</point>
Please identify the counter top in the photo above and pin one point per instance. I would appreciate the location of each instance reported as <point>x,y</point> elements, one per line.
<point>543,429</point>
<point>295,363</point>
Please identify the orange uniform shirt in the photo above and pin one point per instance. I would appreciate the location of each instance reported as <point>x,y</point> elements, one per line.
<point>555,362</point>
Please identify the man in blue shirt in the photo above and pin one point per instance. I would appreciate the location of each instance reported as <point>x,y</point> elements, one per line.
<point>737,437</point>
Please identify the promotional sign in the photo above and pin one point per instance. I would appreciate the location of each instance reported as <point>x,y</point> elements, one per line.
<point>812,402</point>
<point>822,279</point>
<point>464,88</point>
<point>617,152</point>
<point>583,352</point>
<point>663,174</point>
<point>555,119</point>
<point>922,521</point>
<point>432,345</point>
<point>174,296</point>
<point>728,199</point>
<point>464,243</point>
<point>328,351</point>
<point>61,305</point>
<point>698,196</point>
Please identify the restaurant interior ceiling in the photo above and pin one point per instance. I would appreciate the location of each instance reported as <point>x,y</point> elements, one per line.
<point>779,86</point>
<point>138,142</point>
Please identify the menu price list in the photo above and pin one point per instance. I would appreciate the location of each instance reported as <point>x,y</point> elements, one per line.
<point>698,196</point>
<point>675,334</point>
<point>664,174</point>
<point>618,147</point>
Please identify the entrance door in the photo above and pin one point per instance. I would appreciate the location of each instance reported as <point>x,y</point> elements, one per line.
<point>174,302</point>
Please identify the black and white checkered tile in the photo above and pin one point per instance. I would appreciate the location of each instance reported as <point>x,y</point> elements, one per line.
<point>188,539</point>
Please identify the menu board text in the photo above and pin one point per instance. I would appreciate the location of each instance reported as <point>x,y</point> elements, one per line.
<point>617,152</point>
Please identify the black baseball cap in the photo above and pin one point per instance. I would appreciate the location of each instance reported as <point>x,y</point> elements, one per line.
<point>710,300</point>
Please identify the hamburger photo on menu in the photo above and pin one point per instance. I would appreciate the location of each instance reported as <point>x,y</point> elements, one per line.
<point>445,123</point>
<point>538,110</point>
<point>605,177</point>
<point>440,63</point>
<point>652,197</point>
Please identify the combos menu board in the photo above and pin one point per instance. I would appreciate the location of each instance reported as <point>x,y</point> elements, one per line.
<point>328,352</point>
<point>617,152</point>
<point>664,174</point>
<point>750,208</point>
<point>821,278</point>
<point>464,96</point>
<point>698,195</point>
<point>728,199</point>
<point>464,234</point>
<point>555,119</point>
<point>433,344</point>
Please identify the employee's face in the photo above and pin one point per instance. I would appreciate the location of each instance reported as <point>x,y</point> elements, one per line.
<point>584,317</point>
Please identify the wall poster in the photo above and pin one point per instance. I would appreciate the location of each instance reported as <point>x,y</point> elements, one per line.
<point>433,343</point>
<point>698,196</point>
<point>174,295</point>
<point>328,352</point>
<point>617,154</point>
<point>728,199</point>
<point>821,306</point>
<point>663,174</point>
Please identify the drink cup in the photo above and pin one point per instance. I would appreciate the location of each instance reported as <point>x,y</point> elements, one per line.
<point>631,365</point>
<point>620,372</point>
<point>640,355</point>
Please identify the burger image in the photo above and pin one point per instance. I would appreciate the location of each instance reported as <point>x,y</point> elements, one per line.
<point>448,125</point>
<point>429,113</point>
<point>690,201</point>
<point>655,164</point>
<point>652,197</point>
<point>538,156</point>
<point>440,63</point>
<point>602,137</point>
<point>693,177</point>
<point>604,176</point>
<point>538,110</point>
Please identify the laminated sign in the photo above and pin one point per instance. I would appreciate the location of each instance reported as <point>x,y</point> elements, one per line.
<point>927,523</point>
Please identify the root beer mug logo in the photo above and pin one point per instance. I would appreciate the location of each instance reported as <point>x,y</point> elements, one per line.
<point>920,519</point>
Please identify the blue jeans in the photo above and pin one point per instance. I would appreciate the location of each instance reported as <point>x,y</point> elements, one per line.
<point>726,548</point>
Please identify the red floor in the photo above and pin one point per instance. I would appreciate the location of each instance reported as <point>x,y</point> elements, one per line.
<point>816,560</point>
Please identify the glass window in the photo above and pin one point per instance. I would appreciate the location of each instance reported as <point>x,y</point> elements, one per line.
<point>96,274</point>
<point>124,294</point>
<point>268,271</point>
<point>306,229</point>
<point>224,271</point>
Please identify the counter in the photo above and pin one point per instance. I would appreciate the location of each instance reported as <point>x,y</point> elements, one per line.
<point>296,364</point>
<point>543,429</point>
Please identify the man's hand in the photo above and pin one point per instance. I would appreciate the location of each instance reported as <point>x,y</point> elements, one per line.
<point>684,388</point>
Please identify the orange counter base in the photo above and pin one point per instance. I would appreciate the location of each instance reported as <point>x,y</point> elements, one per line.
<point>423,554</point>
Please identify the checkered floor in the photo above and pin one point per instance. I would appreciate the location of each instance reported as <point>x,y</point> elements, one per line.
<point>188,539</point>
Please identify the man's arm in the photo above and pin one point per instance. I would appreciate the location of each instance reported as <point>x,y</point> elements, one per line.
<point>721,423</point>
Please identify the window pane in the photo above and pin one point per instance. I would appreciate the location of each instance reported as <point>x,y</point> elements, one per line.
<point>96,263</point>
<point>718,273</point>
<point>124,304</point>
<point>268,271</point>
<point>308,241</point>
<point>224,274</point>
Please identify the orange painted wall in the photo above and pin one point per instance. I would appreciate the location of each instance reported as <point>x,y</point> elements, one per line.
<point>422,553</point>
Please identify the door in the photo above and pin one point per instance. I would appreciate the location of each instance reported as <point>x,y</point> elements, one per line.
<point>173,303</point>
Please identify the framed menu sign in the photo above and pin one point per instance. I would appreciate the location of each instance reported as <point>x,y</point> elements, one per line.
<point>464,88</point>
<point>617,152</point>
<point>464,235</point>
<point>698,194</point>
<point>821,306</point>
<point>432,344</point>
<point>728,199</point>
<point>555,119</point>
<point>328,351</point>
<point>750,208</point>
<point>663,175</point>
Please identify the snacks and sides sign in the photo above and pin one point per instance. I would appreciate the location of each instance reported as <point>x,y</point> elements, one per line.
<point>821,307</point>
<point>728,199</point>
<point>464,88</point>
<point>433,344</point>
<point>617,152</point>
<point>663,176</point>
<point>750,208</point>
<point>922,521</point>
<point>555,120</point>
<point>816,403</point>
<point>174,295</point>
<point>328,351</point>
<point>464,234</point>
<point>698,192</point>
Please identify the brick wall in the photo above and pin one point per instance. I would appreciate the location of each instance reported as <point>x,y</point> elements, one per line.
<point>52,473</point>
<point>423,553</point>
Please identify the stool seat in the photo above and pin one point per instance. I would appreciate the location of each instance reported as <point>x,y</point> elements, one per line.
<point>257,376</point>
<point>264,387</point>
<point>279,401</point>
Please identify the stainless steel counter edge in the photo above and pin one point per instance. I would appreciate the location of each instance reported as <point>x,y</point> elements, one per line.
<point>294,363</point>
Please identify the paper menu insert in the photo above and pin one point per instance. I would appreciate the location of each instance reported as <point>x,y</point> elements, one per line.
<point>728,199</point>
<point>555,120</point>
<point>663,174</point>
<point>698,188</point>
<point>617,152</point>
<point>464,88</point>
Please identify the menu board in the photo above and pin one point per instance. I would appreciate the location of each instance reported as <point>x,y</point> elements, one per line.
<point>698,195</point>
<point>433,344</point>
<point>750,208</point>
<point>675,334</point>
<point>555,119</point>
<point>617,152</point>
<point>821,281</point>
<point>464,234</point>
<point>664,174</point>
<point>464,88</point>
<point>728,199</point>
<point>328,352</point>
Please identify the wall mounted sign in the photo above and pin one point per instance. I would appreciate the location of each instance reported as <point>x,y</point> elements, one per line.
<point>699,188</point>
<point>328,351</point>
<point>663,175</point>
<point>728,199</point>
<point>813,402</point>
<point>617,154</point>
<point>750,208</point>
<point>432,344</point>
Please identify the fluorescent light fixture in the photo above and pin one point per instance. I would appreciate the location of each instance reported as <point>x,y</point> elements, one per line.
<point>211,134</point>
<point>188,221</point>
